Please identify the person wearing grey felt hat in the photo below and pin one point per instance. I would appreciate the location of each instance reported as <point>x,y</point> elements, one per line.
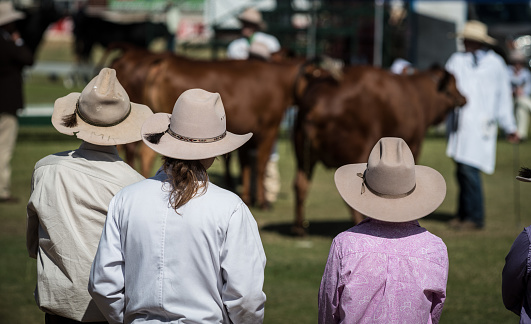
<point>71,192</point>
<point>203,238</point>
<point>387,257</point>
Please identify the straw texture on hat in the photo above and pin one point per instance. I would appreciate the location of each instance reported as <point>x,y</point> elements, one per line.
<point>196,129</point>
<point>390,187</point>
<point>102,112</point>
<point>476,31</point>
<point>8,14</point>
<point>252,16</point>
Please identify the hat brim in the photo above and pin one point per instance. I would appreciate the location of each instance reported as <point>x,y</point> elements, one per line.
<point>485,39</point>
<point>11,17</point>
<point>428,195</point>
<point>177,149</point>
<point>125,132</point>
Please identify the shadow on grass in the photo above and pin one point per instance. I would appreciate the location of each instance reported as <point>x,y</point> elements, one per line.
<point>332,228</point>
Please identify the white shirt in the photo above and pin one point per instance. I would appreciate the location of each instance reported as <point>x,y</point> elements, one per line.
<point>489,103</point>
<point>203,265</point>
<point>66,212</point>
<point>522,79</point>
<point>238,49</point>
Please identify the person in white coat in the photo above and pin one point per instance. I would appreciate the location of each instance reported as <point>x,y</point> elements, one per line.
<point>251,31</point>
<point>482,78</point>
<point>520,78</point>
<point>176,248</point>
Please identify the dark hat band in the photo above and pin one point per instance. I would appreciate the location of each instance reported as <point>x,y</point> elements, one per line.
<point>88,121</point>
<point>364,185</point>
<point>195,140</point>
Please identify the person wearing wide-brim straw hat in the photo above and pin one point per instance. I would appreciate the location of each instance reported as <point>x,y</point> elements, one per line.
<point>251,31</point>
<point>387,262</point>
<point>516,273</point>
<point>14,56</point>
<point>197,243</point>
<point>481,76</point>
<point>71,192</point>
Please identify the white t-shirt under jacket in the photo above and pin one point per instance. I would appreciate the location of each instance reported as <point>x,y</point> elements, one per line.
<point>204,264</point>
<point>66,212</point>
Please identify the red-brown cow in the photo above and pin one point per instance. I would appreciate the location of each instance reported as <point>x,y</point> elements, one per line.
<point>255,95</point>
<point>339,122</point>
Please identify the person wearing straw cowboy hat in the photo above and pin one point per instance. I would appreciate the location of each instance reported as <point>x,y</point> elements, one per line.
<point>14,55</point>
<point>481,76</point>
<point>386,269</point>
<point>516,274</point>
<point>251,31</point>
<point>71,191</point>
<point>175,247</point>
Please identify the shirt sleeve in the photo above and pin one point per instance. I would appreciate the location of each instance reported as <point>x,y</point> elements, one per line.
<point>238,49</point>
<point>331,288</point>
<point>106,281</point>
<point>439,296</point>
<point>242,263</point>
<point>505,114</point>
<point>32,220</point>
<point>514,274</point>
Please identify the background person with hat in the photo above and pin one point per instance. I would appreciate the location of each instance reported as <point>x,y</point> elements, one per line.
<point>482,78</point>
<point>176,247</point>
<point>14,55</point>
<point>386,269</point>
<point>251,31</point>
<point>516,274</point>
<point>520,78</point>
<point>71,191</point>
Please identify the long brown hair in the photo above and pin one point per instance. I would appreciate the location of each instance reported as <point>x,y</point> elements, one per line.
<point>188,179</point>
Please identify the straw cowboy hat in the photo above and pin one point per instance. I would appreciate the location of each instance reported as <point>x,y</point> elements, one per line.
<point>524,174</point>
<point>102,113</point>
<point>390,187</point>
<point>476,31</point>
<point>252,16</point>
<point>195,130</point>
<point>8,14</point>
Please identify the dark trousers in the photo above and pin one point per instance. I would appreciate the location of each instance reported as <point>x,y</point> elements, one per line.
<point>56,319</point>
<point>470,194</point>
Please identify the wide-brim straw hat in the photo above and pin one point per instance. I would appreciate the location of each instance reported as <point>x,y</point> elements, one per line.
<point>195,130</point>
<point>476,31</point>
<point>390,187</point>
<point>252,16</point>
<point>8,14</point>
<point>102,113</point>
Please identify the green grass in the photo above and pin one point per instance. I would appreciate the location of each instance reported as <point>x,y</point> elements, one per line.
<point>295,265</point>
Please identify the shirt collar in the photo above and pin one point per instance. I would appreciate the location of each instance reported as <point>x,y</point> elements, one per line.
<point>111,149</point>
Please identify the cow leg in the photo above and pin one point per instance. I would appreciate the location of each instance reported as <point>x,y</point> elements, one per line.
<point>147,157</point>
<point>228,174</point>
<point>301,186</point>
<point>245,165</point>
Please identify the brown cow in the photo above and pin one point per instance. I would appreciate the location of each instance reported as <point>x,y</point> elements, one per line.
<point>340,121</point>
<point>255,95</point>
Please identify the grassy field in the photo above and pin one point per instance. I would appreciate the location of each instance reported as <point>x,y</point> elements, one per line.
<point>295,265</point>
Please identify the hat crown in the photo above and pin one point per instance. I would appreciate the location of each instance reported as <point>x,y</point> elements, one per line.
<point>391,168</point>
<point>104,100</point>
<point>8,13</point>
<point>198,114</point>
<point>251,15</point>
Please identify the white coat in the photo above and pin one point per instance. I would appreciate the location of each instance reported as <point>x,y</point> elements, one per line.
<point>238,49</point>
<point>489,104</point>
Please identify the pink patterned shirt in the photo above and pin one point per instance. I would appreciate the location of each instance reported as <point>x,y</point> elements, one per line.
<point>381,272</point>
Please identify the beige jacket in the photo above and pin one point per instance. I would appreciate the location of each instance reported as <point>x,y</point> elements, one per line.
<point>66,212</point>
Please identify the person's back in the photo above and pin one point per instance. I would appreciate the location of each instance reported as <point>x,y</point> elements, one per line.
<point>185,265</point>
<point>391,272</point>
